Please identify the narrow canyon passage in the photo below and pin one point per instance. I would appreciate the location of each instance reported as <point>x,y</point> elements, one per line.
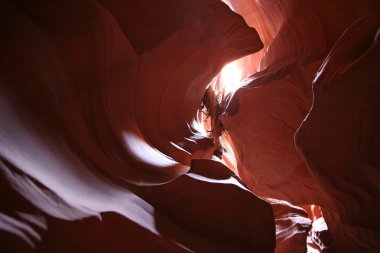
<point>190,126</point>
<point>291,221</point>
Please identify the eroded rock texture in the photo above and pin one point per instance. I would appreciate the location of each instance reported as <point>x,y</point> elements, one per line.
<point>97,103</point>
<point>345,156</point>
<point>338,138</point>
<point>100,149</point>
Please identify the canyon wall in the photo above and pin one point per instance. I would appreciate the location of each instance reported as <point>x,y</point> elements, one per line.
<point>100,147</point>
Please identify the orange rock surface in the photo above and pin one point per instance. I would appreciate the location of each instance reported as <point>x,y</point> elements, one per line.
<point>111,139</point>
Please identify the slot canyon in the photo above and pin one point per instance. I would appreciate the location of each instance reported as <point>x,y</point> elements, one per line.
<point>242,126</point>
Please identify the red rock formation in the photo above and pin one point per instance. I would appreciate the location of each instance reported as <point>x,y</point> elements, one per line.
<point>95,107</point>
<point>345,116</point>
<point>99,146</point>
<point>264,117</point>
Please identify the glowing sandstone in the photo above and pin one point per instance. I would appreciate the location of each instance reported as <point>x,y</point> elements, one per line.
<point>97,141</point>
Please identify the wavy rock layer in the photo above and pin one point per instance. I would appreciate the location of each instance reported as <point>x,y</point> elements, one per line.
<point>337,138</point>
<point>97,102</point>
<point>99,139</point>
<point>345,158</point>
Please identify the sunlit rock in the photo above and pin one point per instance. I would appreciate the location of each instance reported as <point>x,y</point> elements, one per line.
<point>173,126</point>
